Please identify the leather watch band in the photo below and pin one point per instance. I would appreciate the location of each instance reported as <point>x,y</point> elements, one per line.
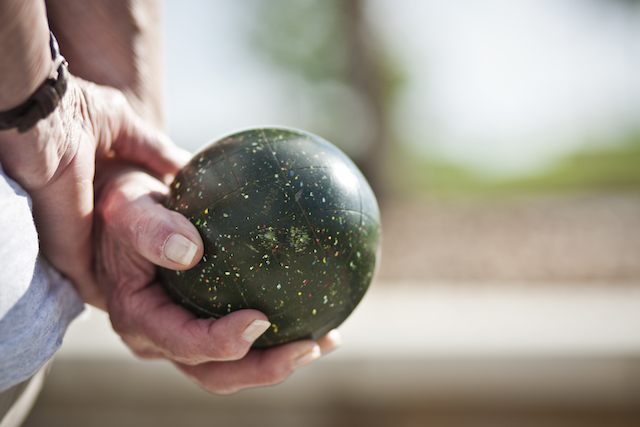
<point>44,100</point>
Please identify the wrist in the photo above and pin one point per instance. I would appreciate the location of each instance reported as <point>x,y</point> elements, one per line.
<point>35,157</point>
<point>44,100</point>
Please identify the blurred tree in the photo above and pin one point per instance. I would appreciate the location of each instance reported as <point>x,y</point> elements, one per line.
<point>348,81</point>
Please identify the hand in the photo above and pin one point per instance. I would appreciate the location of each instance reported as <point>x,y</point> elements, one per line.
<point>56,163</point>
<point>131,226</point>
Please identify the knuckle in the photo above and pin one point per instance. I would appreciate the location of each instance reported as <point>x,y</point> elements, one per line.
<point>149,233</point>
<point>187,355</point>
<point>227,349</point>
<point>146,353</point>
<point>274,375</point>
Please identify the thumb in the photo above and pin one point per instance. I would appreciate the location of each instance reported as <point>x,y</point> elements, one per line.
<point>131,208</point>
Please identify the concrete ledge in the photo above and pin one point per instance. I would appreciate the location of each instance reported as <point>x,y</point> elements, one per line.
<point>467,347</point>
<point>413,321</point>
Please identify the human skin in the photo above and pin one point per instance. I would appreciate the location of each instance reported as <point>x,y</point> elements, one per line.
<point>208,351</point>
<point>96,170</point>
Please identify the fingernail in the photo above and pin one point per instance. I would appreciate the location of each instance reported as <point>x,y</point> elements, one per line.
<point>180,249</point>
<point>333,341</point>
<point>307,357</point>
<point>255,329</point>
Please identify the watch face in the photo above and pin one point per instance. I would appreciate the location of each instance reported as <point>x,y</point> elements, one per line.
<point>290,226</point>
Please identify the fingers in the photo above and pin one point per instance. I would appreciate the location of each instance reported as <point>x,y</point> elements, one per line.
<point>330,342</point>
<point>259,367</point>
<point>141,311</point>
<point>119,130</point>
<point>132,212</point>
<point>140,142</point>
<point>214,353</point>
<point>163,237</point>
<point>148,316</point>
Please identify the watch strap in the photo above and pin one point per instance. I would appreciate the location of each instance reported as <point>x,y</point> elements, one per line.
<point>44,100</point>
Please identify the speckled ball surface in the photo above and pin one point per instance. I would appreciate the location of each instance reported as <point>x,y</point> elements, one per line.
<point>290,228</point>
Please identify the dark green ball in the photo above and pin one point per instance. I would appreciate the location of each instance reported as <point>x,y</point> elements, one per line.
<point>290,228</point>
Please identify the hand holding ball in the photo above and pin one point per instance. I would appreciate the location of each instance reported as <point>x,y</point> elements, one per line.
<point>290,228</point>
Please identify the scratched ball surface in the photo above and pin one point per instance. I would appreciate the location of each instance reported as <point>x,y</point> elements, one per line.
<point>290,228</point>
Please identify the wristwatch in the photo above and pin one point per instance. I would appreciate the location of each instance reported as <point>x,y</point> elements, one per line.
<point>44,100</point>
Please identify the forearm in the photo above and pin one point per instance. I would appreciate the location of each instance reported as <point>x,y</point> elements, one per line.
<point>115,43</point>
<point>110,42</point>
<point>25,57</point>
<point>25,63</point>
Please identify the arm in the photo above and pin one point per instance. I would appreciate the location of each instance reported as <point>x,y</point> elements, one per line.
<point>94,132</point>
<point>117,43</point>
<point>24,49</point>
<point>57,160</point>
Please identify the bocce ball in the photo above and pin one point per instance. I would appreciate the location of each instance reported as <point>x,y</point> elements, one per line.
<point>290,228</point>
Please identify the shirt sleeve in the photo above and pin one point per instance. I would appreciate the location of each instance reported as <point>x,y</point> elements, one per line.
<point>36,303</point>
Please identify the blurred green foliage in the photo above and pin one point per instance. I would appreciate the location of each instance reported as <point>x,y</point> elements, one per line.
<point>313,42</point>
<point>306,37</point>
<point>614,167</point>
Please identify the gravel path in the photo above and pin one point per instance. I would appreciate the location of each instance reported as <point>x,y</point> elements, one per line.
<point>588,238</point>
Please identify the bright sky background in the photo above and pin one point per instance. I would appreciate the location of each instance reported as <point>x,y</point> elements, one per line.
<point>504,86</point>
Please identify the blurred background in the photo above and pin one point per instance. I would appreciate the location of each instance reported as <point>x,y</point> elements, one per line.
<point>503,141</point>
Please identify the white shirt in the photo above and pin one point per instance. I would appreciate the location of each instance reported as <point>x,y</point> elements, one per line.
<point>36,303</point>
